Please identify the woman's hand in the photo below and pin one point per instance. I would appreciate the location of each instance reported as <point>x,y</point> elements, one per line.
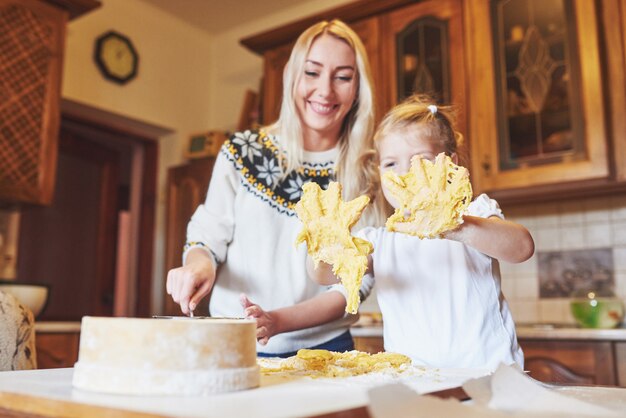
<point>190,283</point>
<point>266,322</point>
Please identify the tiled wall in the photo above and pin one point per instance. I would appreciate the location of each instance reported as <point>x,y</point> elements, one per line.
<point>568,225</point>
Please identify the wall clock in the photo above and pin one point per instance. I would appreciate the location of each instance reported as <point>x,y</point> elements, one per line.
<point>116,57</point>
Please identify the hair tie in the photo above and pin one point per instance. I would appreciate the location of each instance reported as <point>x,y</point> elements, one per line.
<point>433,109</point>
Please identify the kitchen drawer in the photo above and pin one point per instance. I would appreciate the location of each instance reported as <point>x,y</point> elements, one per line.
<point>569,361</point>
<point>370,345</point>
<point>55,350</point>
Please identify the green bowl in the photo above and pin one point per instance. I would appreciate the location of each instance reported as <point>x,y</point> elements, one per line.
<point>598,312</point>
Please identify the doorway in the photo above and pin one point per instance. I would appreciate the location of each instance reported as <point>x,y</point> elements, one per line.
<point>94,244</point>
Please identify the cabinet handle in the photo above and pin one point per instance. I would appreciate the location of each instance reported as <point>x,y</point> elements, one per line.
<point>486,165</point>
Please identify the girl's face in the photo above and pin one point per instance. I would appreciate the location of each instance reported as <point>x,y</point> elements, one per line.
<point>326,90</point>
<point>400,145</point>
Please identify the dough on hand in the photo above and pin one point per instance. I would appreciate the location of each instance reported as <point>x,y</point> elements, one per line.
<point>432,197</point>
<point>327,222</point>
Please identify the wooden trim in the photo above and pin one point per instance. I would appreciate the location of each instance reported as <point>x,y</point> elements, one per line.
<point>614,55</point>
<point>112,122</point>
<point>26,406</point>
<point>555,192</point>
<point>76,8</point>
<point>348,13</point>
<point>143,296</point>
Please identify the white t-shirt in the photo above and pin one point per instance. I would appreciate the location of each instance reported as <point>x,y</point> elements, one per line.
<point>249,224</point>
<point>441,300</point>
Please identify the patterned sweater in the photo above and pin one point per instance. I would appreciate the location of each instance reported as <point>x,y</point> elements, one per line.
<point>249,225</point>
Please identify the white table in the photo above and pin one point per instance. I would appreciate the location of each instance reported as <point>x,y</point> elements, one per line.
<point>276,397</point>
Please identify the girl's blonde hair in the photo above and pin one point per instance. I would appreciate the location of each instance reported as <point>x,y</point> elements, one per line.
<point>438,121</point>
<point>421,109</point>
<point>354,168</point>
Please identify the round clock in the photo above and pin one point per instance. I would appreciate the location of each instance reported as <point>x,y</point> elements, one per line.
<point>116,57</point>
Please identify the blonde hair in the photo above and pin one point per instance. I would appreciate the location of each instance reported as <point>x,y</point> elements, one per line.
<point>421,109</point>
<point>354,167</point>
<point>438,121</point>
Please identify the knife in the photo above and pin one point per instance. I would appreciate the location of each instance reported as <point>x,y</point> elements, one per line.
<point>191,317</point>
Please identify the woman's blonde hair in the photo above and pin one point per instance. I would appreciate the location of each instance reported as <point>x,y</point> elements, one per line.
<point>354,168</point>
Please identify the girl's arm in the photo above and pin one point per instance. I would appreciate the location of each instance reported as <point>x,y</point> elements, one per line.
<point>324,275</point>
<point>496,237</point>
<point>318,310</point>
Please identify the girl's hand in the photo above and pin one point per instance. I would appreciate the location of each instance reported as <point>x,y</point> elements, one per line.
<point>266,322</point>
<point>190,283</point>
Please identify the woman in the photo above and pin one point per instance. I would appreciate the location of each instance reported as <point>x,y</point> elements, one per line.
<point>240,245</point>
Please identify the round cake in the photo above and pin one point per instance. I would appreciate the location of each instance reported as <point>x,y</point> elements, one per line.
<point>177,356</point>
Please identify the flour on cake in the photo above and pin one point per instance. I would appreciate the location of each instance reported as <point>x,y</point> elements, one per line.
<point>187,357</point>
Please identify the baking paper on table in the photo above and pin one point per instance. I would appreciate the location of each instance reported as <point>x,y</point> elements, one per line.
<point>508,392</point>
<point>512,390</point>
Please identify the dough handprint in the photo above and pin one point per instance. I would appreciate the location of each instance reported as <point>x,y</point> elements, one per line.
<point>327,222</point>
<point>432,197</point>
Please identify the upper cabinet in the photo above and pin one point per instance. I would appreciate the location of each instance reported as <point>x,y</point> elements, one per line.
<point>537,105</point>
<point>422,54</point>
<point>539,84</point>
<point>32,40</point>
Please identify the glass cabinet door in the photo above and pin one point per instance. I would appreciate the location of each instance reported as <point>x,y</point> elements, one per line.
<point>422,59</point>
<point>537,81</point>
<point>423,53</point>
<point>536,105</point>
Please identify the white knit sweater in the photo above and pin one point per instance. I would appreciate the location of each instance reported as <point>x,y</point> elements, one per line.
<point>249,224</point>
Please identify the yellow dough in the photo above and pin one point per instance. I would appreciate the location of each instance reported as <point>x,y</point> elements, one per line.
<point>323,363</point>
<point>327,222</point>
<point>432,197</point>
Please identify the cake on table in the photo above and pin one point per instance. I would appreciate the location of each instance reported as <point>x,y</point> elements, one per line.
<point>177,357</point>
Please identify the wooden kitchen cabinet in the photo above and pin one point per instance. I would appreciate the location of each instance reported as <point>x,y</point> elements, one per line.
<point>582,149</point>
<point>56,349</point>
<point>571,361</point>
<point>370,345</point>
<point>423,52</point>
<point>537,69</point>
<point>32,41</point>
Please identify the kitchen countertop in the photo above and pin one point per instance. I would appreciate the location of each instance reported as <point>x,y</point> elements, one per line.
<point>57,326</point>
<point>528,331</point>
<point>524,331</point>
<point>50,393</point>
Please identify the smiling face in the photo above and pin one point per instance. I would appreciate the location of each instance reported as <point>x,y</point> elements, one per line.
<point>399,145</point>
<point>326,91</point>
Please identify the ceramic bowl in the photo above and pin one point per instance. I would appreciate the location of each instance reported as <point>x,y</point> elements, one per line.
<point>32,296</point>
<point>598,312</point>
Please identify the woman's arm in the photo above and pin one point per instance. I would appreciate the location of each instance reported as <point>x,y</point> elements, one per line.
<point>209,233</point>
<point>496,237</point>
<point>192,282</point>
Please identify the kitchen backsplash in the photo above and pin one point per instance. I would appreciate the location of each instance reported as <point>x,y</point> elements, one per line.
<point>568,226</point>
<point>583,224</point>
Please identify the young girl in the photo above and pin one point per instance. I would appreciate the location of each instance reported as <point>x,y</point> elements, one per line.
<point>440,298</point>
